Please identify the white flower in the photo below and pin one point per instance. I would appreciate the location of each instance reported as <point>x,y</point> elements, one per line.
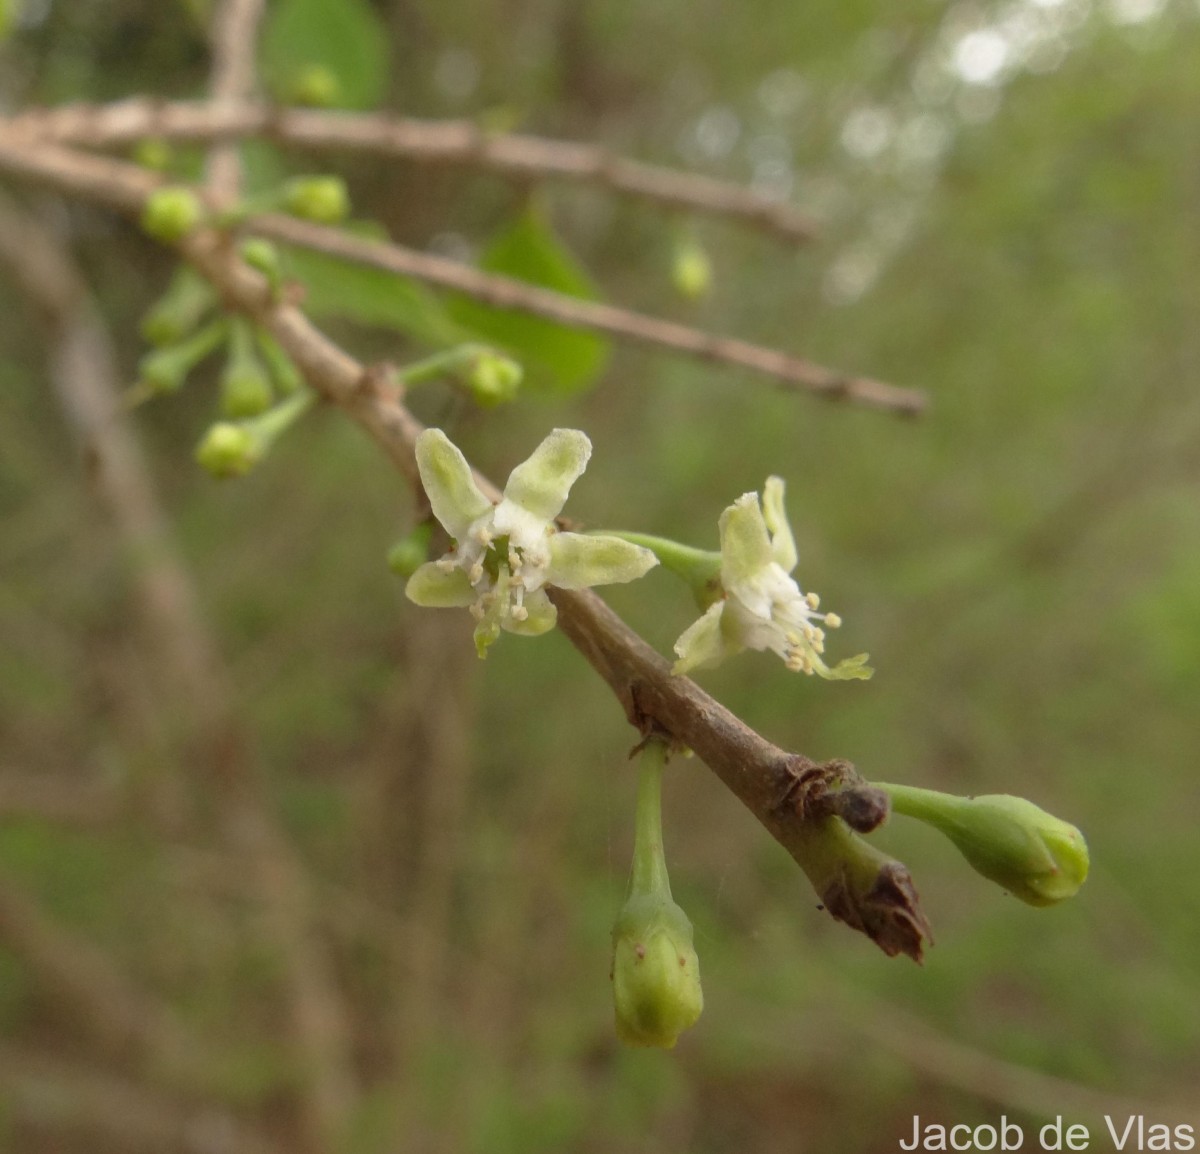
<point>762,606</point>
<point>505,555</point>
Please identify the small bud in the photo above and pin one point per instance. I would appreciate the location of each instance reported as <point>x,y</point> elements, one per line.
<point>321,199</point>
<point>692,270</point>
<point>233,448</point>
<point>177,312</point>
<point>408,554</point>
<point>263,256</point>
<point>1035,856</point>
<point>655,970</point>
<point>228,450</point>
<point>164,370</point>
<point>245,391</point>
<point>171,214</point>
<point>493,379</point>
<point>314,86</point>
<point>154,153</point>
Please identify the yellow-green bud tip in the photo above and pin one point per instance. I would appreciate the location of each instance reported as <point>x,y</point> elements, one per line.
<point>314,86</point>
<point>692,271</point>
<point>321,199</point>
<point>245,391</point>
<point>494,379</point>
<point>171,214</point>
<point>228,450</point>
<point>1036,856</point>
<point>262,255</point>
<point>655,974</point>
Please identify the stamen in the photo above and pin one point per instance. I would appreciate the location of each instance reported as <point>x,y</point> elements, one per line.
<point>813,600</point>
<point>833,621</point>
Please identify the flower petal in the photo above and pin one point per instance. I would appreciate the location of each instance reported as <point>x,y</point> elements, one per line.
<point>745,545</point>
<point>541,619</point>
<point>453,495</point>
<point>541,484</point>
<point>783,544</point>
<point>852,669</point>
<point>703,643</point>
<point>578,561</point>
<point>434,588</point>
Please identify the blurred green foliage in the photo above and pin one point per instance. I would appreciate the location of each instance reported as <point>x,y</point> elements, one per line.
<point>1013,229</point>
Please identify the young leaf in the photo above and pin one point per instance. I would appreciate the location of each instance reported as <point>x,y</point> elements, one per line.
<point>371,296</point>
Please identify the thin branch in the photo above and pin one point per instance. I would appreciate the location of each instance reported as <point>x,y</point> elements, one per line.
<point>433,141</point>
<point>127,185</point>
<point>857,883</point>
<point>507,293</point>
<point>234,38</point>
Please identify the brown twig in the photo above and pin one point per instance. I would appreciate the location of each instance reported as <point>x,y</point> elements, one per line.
<point>506,293</point>
<point>126,185</point>
<point>859,885</point>
<point>434,141</point>
<point>234,38</point>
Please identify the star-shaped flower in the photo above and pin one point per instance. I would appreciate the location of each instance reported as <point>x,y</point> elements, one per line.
<point>505,555</point>
<point>762,606</point>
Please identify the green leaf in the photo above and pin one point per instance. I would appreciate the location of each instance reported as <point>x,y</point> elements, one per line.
<point>345,38</point>
<point>558,359</point>
<point>371,296</point>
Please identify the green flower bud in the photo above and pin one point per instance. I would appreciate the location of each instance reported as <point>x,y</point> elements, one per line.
<point>233,448</point>
<point>408,554</point>
<point>691,270</point>
<point>164,370</point>
<point>313,86</point>
<point>655,971</point>
<point>154,153</point>
<point>228,450</point>
<point>177,312</point>
<point>245,385</point>
<point>1035,856</point>
<point>262,255</point>
<point>493,379</point>
<point>321,199</point>
<point>171,214</point>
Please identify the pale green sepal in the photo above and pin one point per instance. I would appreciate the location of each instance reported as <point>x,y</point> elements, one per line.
<point>454,497</point>
<point>852,669</point>
<point>432,587</point>
<point>703,643</point>
<point>579,562</point>
<point>783,544</point>
<point>541,619</point>
<point>541,483</point>
<point>745,545</point>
